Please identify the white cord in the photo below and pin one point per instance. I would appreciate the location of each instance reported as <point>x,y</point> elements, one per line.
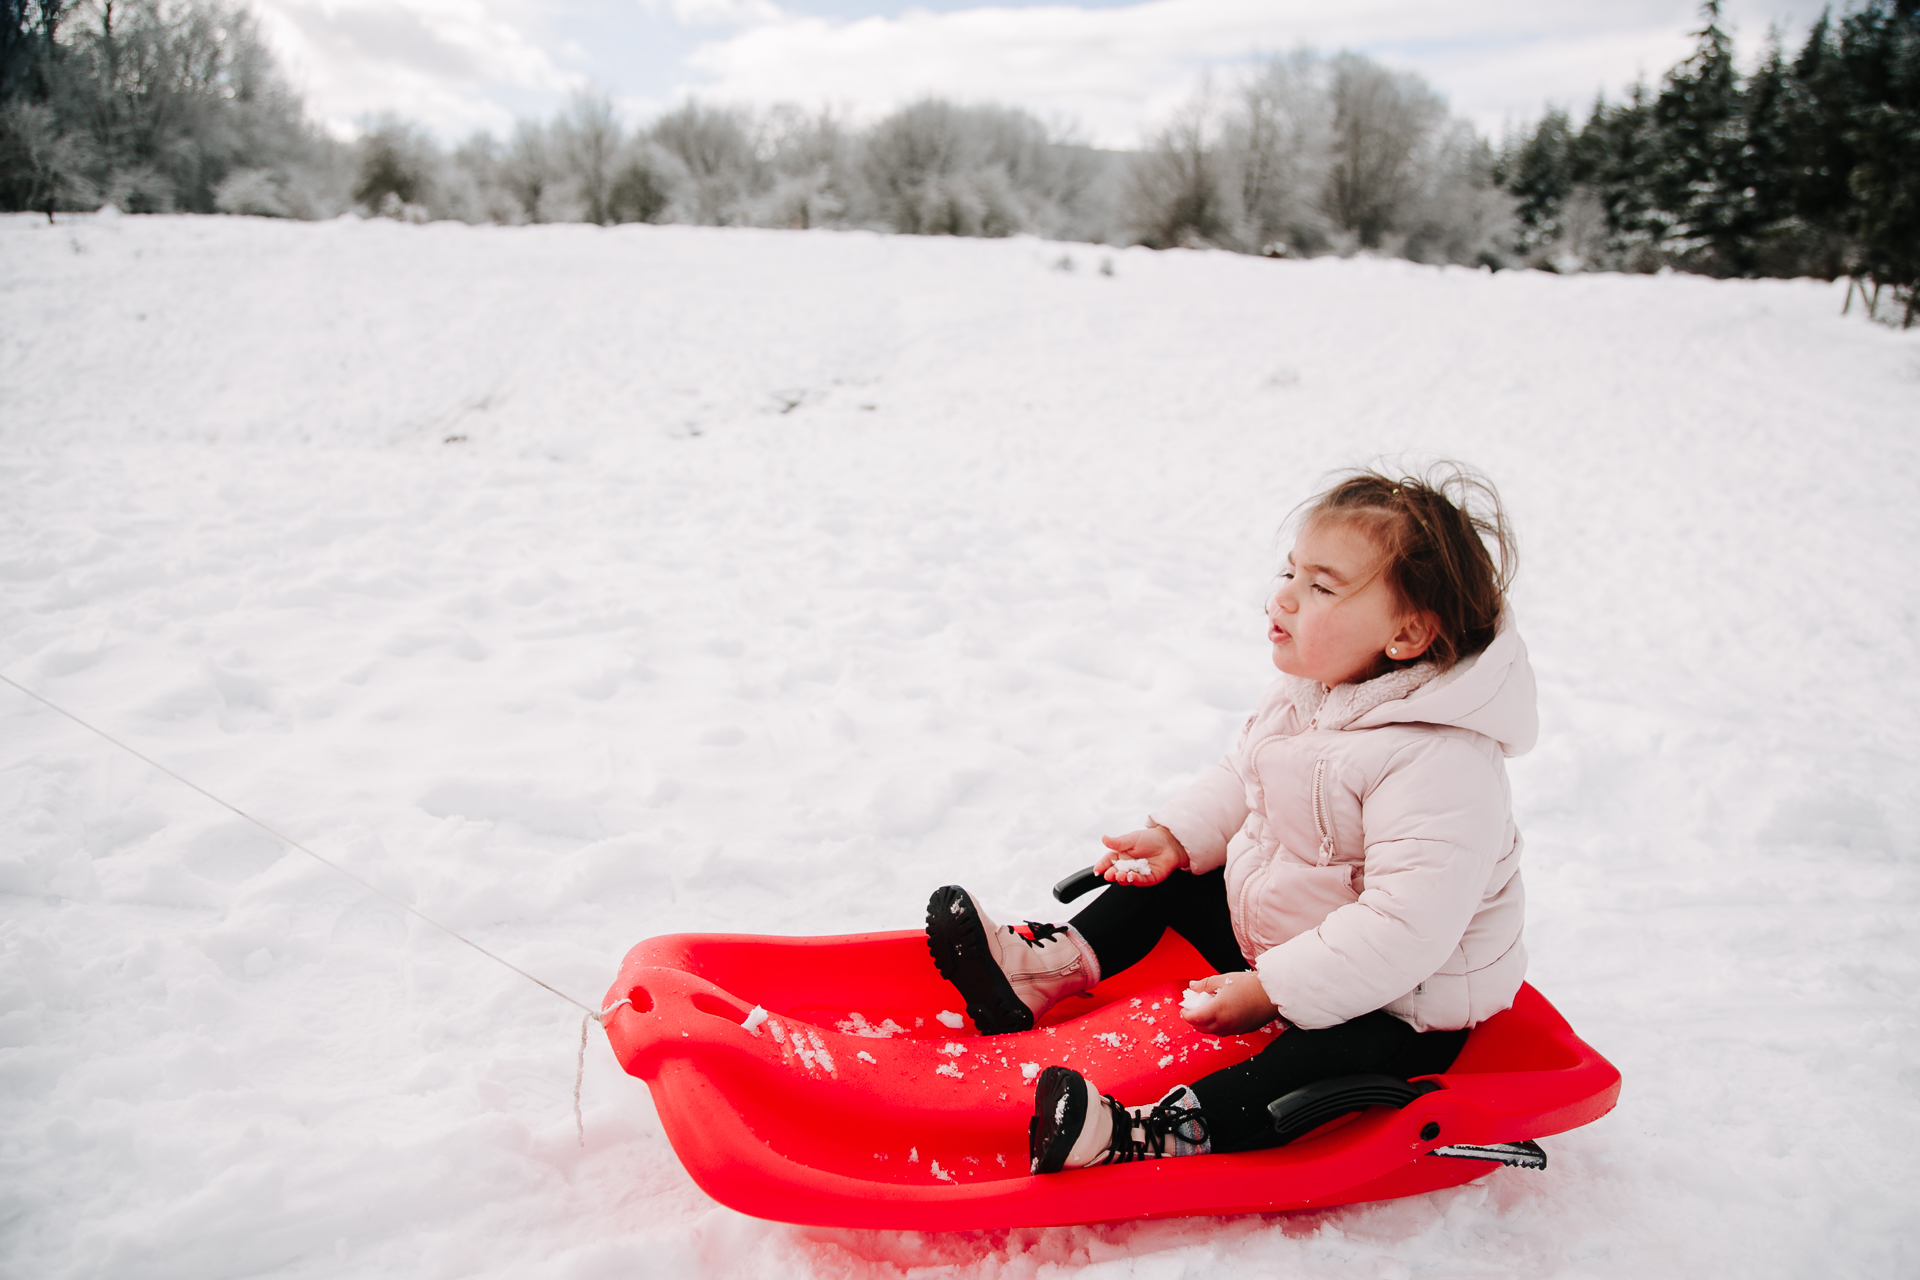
<point>290,841</point>
<point>580,1065</point>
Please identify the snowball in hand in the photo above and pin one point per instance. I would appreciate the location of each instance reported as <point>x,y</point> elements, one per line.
<point>1131,866</point>
<point>1192,1001</point>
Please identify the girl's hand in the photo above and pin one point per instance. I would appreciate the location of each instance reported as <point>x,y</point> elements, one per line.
<point>1156,846</point>
<point>1239,1004</point>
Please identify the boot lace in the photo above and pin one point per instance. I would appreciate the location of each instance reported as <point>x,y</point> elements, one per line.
<point>1037,934</point>
<point>1146,1136</point>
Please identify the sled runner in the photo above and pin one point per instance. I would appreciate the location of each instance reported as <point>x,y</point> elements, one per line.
<point>835,1082</point>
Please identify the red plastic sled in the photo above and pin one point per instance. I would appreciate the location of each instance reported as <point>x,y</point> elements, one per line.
<point>856,1104</point>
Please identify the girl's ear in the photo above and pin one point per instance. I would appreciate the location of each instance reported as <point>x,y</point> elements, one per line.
<point>1416,632</point>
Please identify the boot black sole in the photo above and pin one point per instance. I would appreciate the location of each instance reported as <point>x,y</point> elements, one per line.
<point>1059,1113</point>
<point>958,943</point>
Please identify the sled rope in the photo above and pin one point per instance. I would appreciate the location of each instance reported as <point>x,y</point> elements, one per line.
<point>581,1065</point>
<point>579,1076</point>
<point>288,840</point>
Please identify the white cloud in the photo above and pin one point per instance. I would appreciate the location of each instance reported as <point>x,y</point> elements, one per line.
<point>1120,70</point>
<point>716,13</point>
<point>456,65</point>
<point>1498,87</point>
<point>442,63</point>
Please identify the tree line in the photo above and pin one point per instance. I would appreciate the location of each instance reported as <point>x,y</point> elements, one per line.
<point>1810,165</point>
<point>164,105</point>
<point>152,106</point>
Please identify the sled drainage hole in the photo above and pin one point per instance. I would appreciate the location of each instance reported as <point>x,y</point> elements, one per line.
<point>1429,1131</point>
<point>719,1008</point>
<point>641,1000</point>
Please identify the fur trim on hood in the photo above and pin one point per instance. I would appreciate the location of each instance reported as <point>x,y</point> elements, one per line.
<point>1493,692</point>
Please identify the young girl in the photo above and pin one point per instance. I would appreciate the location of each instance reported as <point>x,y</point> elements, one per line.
<point>1350,868</point>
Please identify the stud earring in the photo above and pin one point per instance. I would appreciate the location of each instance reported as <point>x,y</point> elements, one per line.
<point>1392,651</point>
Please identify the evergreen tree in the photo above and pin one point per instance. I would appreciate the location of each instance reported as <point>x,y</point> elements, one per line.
<point>1699,186</point>
<point>1879,50</point>
<point>1819,156</point>
<point>1767,129</point>
<point>1617,155</point>
<point>1537,168</point>
<point>1809,166</point>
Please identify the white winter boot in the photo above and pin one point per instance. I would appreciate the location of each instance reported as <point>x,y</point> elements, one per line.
<point>1074,1125</point>
<point>1008,976</point>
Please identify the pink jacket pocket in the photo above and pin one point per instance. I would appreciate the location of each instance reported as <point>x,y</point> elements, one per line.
<point>1286,898</point>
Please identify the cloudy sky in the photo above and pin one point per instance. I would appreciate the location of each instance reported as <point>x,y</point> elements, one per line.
<point>1109,68</point>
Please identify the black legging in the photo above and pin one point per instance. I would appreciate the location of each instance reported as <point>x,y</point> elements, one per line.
<point>1125,922</point>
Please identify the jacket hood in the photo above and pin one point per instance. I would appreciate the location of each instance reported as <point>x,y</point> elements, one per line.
<point>1492,693</point>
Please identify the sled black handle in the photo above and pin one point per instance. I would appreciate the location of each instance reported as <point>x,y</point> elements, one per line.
<point>1312,1105</point>
<point>1083,881</point>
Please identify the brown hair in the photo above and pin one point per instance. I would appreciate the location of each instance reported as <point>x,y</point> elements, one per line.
<point>1447,548</point>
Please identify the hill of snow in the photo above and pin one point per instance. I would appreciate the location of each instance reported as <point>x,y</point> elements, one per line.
<point>580,585</point>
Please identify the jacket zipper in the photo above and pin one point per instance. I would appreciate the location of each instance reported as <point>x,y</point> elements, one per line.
<point>1320,823</point>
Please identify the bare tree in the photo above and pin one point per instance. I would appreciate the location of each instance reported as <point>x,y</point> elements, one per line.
<point>941,169</point>
<point>27,48</point>
<point>44,165</point>
<point>588,138</point>
<point>41,167</point>
<point>909,161</point>
<point>1175,194</point>
<point>1458,212</point>
<point>1277,145</point>
<point>527,168</point>
<point>809,156</point>
<point>175,96</point>
<point>715,150</point>
<point>1383,123</point>
<point>398,169</point>
<point>258,193</point>
<point>1302,154</point>
<point>643,184</point>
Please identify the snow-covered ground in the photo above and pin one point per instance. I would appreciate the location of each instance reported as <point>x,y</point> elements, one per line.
<point>580,585</point>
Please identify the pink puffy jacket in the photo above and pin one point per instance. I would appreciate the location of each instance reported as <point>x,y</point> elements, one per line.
<point>1367,832</point>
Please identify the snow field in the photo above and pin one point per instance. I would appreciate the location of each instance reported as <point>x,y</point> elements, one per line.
<point>775,579</point>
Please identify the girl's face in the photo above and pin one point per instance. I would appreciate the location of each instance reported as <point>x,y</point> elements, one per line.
<point>1333,616</point>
